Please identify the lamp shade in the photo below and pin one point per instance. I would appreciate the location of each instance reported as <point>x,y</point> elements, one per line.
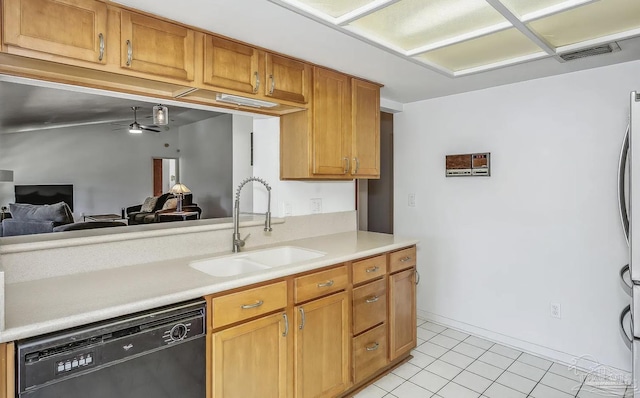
<point>180,188</point>
<point>160,115</point>
<point>6,175</point>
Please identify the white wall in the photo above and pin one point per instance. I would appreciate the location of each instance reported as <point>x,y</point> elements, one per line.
<point>109,169</point>
<point>206,159</point>
<point>336,195</point>
<point>241,129</point>
<point>496,251</point>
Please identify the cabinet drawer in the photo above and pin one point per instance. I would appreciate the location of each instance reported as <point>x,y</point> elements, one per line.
<point>402,259</point>
<point>320,284</point>
<point>247,304</point>
<point>369,305</point>
<point>368,269</point>
<point>369,352</point>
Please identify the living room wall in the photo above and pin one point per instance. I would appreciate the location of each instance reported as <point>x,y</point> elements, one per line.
<point>206,161</point>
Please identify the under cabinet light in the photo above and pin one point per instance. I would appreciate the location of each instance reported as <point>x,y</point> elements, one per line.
<point>237,100</point>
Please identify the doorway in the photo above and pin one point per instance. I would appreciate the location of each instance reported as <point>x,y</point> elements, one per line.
<point>165,174</point>
<point>376,196</point>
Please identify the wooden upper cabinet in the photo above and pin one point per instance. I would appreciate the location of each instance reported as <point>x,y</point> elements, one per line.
<point>231,65</point>
<point>156,47</point>
<point>331,132</point>
<point>74,29</point>
<point>287,79</point>
<point>365,129</point>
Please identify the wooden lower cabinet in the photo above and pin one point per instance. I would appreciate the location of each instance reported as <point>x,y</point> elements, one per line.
<point>7,372</point>
<point>321,343</point>
<point>301,338</point>
<point>250,360</point>
<point>402,313</point>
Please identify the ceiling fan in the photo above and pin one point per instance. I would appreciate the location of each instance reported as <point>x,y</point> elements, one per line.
<point>137,128</point>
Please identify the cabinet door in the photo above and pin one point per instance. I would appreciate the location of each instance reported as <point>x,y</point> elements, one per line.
<point>322,347</point>
<point>331,138</point>
<point>7,375</point>
<point>365,129</point>
<point>250,360</point>
<point>69,28</point>
<point>231,65</point>
<point>156,47</point>
<point>287,79</point>
<point>402,313</point>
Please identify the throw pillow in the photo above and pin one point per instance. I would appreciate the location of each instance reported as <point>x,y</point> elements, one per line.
<point>170,204</point>
<point>149,204</point>
<point>58,212</point>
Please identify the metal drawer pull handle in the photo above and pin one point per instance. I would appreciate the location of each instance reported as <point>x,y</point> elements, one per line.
<point>286,325</point>
<point>273,84</point>
<point>405,259</point>
<point>101,38</point>
<point>373,347</point>
<point>372,299</point>
<point>255,305</point>
<point>326,284</point>
<point>302,320</point>
<point>257,87</point>
<point>372,269</point>
<point>129,53</point>
<point>346,165</point>
<point>357,162</point>
<point>417,277</point>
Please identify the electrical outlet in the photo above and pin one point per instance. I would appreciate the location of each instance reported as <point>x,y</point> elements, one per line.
<point>316,206</point>
<point>287,209</point>
<point>555,310</point>
<point>412,200</point>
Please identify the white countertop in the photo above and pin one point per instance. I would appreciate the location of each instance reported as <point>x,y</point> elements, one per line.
<point>47,305</point>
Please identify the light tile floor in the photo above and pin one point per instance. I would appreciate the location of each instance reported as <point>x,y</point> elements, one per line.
<point>451,364</point>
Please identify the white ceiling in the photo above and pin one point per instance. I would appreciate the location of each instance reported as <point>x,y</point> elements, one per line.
<point>268,25</point>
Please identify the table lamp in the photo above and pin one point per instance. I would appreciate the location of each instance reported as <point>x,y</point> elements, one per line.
<point>179,190</point>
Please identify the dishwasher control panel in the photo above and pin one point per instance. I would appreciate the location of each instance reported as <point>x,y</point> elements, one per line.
<point>76,362</point>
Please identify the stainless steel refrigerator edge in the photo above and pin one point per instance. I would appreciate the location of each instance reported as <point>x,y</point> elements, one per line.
<point>628,191</point>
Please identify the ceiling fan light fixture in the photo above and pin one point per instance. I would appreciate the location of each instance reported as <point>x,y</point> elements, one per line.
<point>160,115</point>
<point>134,128</point>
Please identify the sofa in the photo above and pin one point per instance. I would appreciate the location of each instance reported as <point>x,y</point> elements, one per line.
<point>27,219</point>
<point>148,211</point>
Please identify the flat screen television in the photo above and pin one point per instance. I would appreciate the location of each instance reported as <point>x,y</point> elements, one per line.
<point>45,194</point>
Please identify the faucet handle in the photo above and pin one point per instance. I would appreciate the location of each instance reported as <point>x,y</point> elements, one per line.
<point>245,239</point>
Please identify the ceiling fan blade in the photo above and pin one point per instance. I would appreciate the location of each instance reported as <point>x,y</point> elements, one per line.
<point>149,129</point>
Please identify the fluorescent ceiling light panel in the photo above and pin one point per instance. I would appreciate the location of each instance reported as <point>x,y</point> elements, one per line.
<point>237,100</point>
<point>527,8</point>
<point>485,50</point>
<point>334,8</point>
<point>410,24</point>
<point>459,37</point>
<point>588,22</point>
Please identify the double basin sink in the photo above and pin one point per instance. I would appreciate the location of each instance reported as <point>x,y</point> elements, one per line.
<point>242,263</point>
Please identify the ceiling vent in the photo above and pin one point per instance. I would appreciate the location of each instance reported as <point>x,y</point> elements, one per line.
<point>589,52</point>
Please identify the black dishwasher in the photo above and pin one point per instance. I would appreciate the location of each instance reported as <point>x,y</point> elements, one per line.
<point>158,353</point>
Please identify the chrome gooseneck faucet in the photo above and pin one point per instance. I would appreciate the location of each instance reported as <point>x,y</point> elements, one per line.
<point>237,241</point>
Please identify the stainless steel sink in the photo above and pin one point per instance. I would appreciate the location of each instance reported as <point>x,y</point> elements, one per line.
<point>242,263</point>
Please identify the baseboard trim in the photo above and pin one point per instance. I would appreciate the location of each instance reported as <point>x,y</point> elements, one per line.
<point>584,364</point>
